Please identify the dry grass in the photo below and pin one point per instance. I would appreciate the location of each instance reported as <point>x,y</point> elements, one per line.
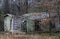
<point>35,36</point>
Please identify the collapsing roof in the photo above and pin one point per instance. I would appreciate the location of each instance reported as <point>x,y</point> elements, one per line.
<point>36,15</point>
<point>9,15</point>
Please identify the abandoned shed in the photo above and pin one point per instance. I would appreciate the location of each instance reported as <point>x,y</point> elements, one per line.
<point>12,23</point>
<point>31,22</point>
<point>22,23</point>
<point>8,22</point>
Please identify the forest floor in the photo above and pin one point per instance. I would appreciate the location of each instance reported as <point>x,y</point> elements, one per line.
<point>30,36</point>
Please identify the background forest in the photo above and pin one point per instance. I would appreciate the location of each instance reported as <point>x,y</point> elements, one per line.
<point>19,7</point>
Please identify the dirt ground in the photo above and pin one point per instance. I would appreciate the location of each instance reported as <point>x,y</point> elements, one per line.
<point>35,36</point>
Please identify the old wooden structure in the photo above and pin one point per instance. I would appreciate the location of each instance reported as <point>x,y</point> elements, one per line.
<point>32,22</point>
<point>12,23</point>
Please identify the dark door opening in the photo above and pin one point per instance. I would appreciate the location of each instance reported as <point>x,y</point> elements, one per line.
<point>37,26</point>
